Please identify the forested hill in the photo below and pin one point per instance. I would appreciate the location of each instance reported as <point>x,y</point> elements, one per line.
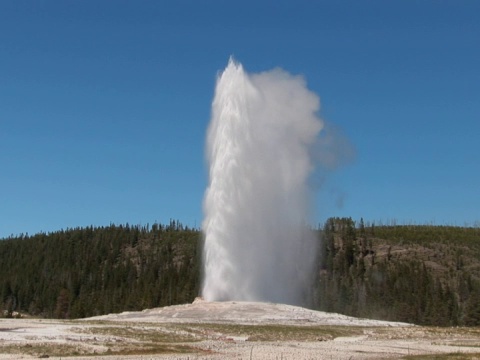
<point>419,274</point>
<point>96,270</point>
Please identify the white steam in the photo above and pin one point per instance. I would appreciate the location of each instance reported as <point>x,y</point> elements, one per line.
<point>257,245</point>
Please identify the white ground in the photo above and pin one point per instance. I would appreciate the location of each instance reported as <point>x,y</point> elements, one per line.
<point>370,339</point>
<point>242,313</point>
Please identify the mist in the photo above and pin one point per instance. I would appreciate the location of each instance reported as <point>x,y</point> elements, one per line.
<point>257,242</point>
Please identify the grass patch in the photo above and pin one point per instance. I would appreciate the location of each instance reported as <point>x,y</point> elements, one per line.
<point>449,356</point>
<point>141,334</point>
<point>271,332</point>
<point>190,332</point>
<point>62,350</point>
<point>50,349</point>
<point>149,349</point>
<point>126,339</point>
<point>438,334</point>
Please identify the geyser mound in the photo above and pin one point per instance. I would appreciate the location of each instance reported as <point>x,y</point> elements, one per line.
<point>234,312</point>
<point>257,246</point>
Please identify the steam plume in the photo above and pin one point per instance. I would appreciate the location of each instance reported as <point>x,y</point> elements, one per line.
<point>257,246</point>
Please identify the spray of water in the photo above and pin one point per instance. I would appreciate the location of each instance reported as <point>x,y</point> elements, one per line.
<point>257,246</point>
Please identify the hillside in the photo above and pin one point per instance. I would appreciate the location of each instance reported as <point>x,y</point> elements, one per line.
<point>92,271</point>
<point>418,274</point>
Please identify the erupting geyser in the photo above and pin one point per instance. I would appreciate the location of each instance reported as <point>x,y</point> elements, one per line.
<point>257,245</point>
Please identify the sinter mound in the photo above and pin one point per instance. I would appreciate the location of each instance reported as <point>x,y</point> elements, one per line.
<point>242,312</point>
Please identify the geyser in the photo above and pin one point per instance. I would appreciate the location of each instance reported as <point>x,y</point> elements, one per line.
<point>257,244</point>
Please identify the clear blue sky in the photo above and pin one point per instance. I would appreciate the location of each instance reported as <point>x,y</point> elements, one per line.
<point>104,104</point>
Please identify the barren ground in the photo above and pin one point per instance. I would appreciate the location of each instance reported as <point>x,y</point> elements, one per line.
<point>232,330</point>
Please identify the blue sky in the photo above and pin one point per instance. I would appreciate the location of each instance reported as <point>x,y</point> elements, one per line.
<point>104,105</point>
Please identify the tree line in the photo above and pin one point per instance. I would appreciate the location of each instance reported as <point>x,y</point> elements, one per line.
<point>90,271</point>
<point>418,274</point>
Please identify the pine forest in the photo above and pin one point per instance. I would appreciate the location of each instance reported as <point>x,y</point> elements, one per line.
<point>422,274</point>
